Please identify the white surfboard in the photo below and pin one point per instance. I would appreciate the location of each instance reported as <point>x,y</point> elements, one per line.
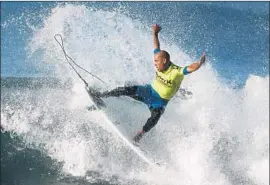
<point>98,104</point>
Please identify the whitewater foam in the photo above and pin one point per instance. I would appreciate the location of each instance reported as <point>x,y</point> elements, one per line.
<point>189,135</point>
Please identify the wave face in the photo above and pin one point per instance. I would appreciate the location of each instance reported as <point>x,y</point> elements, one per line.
<point>219,136</point>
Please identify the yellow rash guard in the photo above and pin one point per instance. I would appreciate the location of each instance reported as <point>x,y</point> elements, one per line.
<point>167,83</point>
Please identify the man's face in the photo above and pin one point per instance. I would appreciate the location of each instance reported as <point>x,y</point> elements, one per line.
<point>159,62</point>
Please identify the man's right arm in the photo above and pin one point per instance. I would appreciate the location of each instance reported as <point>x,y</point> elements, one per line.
<point>155,29</point>
<point>156,41</point>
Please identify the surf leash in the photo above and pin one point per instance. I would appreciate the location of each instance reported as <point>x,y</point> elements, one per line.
<point>68,59</point>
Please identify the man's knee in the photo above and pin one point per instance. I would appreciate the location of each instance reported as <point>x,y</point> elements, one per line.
<point>152,121</point>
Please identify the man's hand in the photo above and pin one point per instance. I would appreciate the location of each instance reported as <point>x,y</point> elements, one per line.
<point>202,59</point>
<point>196,65</point>
<point>155,29</point>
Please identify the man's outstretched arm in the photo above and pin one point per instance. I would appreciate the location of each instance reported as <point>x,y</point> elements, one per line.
<point>155,29</point>
<point>196,65</point>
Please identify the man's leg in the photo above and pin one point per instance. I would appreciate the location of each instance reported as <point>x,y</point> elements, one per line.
<point>130,91</point>
<point>120,91</point>
<point>151,122</point>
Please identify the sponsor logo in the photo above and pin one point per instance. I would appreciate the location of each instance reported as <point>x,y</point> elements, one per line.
<point>163,81</point>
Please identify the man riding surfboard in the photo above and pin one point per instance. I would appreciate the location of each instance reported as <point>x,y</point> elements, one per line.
<point>165,85</point>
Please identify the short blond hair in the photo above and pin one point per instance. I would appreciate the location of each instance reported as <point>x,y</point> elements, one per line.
<point>165,54</point>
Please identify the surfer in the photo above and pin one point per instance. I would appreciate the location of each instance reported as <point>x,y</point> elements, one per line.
<point>165,85</point>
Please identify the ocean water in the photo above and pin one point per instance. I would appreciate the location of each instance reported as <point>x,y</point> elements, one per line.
<point>220,136</point>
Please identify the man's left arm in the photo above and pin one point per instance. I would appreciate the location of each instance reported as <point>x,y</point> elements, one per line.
<point>195,66</point>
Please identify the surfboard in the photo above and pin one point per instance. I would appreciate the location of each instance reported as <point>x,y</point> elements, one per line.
<point>99,104</point>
